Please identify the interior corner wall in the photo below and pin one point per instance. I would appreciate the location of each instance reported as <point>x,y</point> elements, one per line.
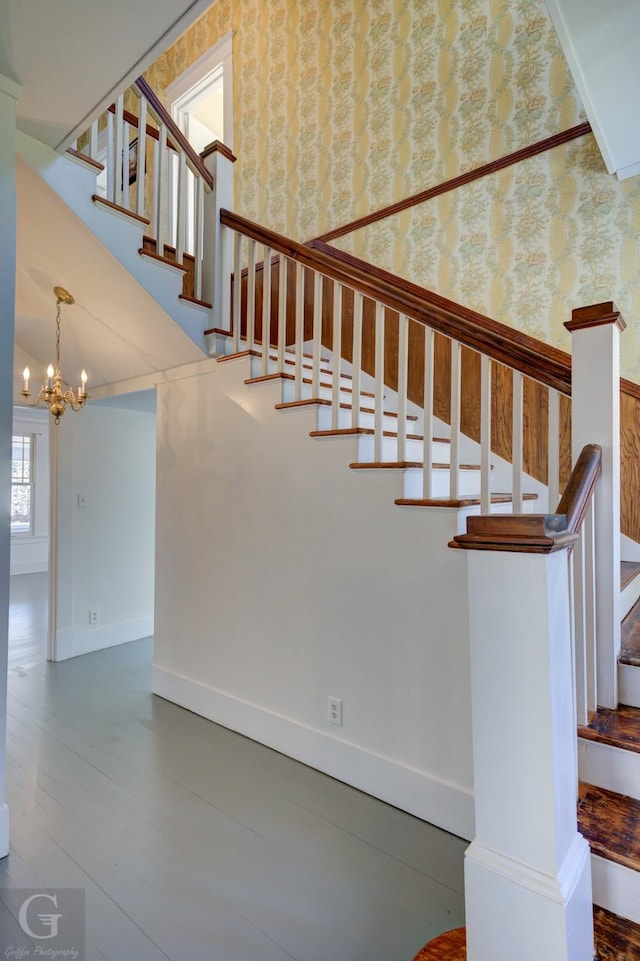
<point>283,578</point>
<point>104,490</point>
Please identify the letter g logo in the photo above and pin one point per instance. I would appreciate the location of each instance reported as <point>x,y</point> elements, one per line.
<point>48,921</point>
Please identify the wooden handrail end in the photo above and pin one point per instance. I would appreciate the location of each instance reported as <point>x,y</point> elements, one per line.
<point>595,315</point>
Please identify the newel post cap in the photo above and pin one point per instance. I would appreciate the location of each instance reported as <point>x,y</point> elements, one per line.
<point>597,315</point>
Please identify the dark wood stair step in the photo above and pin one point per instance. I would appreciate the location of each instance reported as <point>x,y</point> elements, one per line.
<point>459,502</point>
<point>325,402</point>
<point>405,465</point>
<point>366,431</point>
<point>611,824</point>
<point>620,728</point>
<point>109,204</point>
<point>616,939</point>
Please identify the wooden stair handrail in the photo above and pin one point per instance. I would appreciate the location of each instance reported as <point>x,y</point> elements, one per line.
<point>164,117</point>
<point>542,363</point>
<point>539,533</point>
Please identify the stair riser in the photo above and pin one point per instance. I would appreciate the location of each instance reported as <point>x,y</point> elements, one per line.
<point>324,393</point>
<point>629,685</point>
<point>389,450</point>
<point>364,420</point>
<point>468,483</point>
<point>629,596</point>
<point>609,767</point>
<point>616,888</point>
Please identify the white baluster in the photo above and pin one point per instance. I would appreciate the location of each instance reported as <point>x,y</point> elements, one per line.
<point>317,333</point>
<point>162,218</point>
<point>126,193</point>
<point>516,448</point>
<point>337,353</point>
<point>111,158</point>
<point>578,623</point>
<point>456,376</point>
<point>181,218</point>
<point>403,367</point>
<point>199,255</point>
<point>357,358</point>
<point>427,465</point>
<point>282,310</point>
<point>299,329</point>
<point>589,538</point>
<point>237,291</point>
<point>251,294</point>
<point>485,434</point>
<point>266,308</point>
<point>155,226</point>
<point>93,140</point>
<point>379,384</point>
<point>142,157</point>
<point>119,149</point>
<point>553,468</point>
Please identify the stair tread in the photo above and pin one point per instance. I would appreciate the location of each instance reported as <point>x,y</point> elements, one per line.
<point>628,571</point>
<point>458,502</point>
<point>630,637</point>
<point>620,728</point>
<point>325,402</point>
<point>616,939</point>
<point>367,431</point>
<point>611,824</point>
<point>195,300</point>
<point>404,465</point>
<point>150,254</point>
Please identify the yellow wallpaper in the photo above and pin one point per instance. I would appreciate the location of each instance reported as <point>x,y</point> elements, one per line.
<point>343,106</point>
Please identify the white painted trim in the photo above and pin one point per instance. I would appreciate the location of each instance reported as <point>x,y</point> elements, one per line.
<point>609,767</point>
<point>629,685</point>
<point>4,831</point>
<point>29,567</point>
<point>629,549</point>
<point>52,634</point>
<point>616,888</point>
<point>631,171</point>
<point>159,47</point>
<point>12,89</point>
<point>446,805</point>
<point>219,55</point>
<point>72,643</point>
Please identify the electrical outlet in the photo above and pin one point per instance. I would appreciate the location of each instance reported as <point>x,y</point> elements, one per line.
<point>94,615</point>
<point>335,710</point>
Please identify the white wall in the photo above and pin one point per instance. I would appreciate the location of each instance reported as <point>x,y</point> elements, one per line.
<point>284,578</point>
<point>30,552</point>
<point>104,549</point>
<point>601,42</point>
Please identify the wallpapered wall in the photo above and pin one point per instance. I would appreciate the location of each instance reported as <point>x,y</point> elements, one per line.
<point>343,106</point>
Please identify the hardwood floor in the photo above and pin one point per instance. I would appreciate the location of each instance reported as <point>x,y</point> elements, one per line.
<point>193,842</point>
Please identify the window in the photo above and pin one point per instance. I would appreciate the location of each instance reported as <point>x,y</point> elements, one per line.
<point>22,484</point>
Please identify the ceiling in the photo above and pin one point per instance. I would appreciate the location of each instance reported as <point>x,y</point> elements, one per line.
<point>72,57</point>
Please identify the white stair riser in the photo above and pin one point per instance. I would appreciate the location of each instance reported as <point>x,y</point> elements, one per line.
<point>616,888</point>
<point>468,483</point>
<point>629,685</point>
<point>365,419</point>
<point>289,393</point>
<point>629,596</point>
<point>609,767</point>
<point>414,450</point>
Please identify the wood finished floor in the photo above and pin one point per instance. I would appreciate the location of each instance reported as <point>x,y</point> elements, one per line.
<point>192,842</point>
<point>619,728</point>
<point>611,824</point>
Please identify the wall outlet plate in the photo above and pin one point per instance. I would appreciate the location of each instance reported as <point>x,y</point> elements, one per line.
<point>94,615</point>
<point>334,710</point>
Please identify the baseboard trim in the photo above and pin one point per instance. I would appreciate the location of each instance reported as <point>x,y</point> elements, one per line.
<point>446,805</point>
<point>29,567</point>
<point>73,644</point>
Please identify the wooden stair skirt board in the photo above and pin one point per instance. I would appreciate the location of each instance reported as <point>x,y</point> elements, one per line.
<point>616,940</point>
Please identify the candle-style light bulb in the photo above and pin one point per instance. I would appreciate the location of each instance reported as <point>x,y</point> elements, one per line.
<point>26,373</point>
<point>83,385</point>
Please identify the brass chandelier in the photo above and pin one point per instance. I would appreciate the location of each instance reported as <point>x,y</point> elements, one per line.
<point>55,392</point>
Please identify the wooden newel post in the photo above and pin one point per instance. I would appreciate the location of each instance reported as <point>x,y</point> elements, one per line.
<point>595,419</point>
<point>527,871</point>
<point>219,161</point>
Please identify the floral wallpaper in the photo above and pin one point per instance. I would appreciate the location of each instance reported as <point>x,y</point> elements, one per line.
<point>344,106</point>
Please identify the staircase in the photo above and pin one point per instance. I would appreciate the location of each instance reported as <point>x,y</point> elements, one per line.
<point>431,424</point>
